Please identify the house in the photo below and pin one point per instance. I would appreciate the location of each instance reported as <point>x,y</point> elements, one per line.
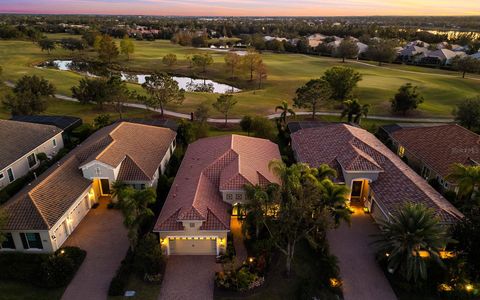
<point>209,190</point>
<point>315,39</point>
<point>66,123</point>
<point>378,179</point>
<point>42,215</point>
<point>412,53</point>
<point>21,143</point>
<point>440,57</point>
<point>432,150</point>
<point>476,55</point>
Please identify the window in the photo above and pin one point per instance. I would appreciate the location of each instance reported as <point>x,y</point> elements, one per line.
<point>31,240</point>
<point>11,177</point>
<point>97,171</point>
<point>401,151</point>
<point>142,186</point>
<point>32,160</point>
<point>8,243</point>
<point>1,176</point>
<point>54,142</point>
<point>238,197</point>
<point>229,196</point>
<point>192,225</point>
<point>425,172</point>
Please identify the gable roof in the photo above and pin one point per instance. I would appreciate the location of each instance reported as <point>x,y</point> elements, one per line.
<point>42,203</point>
<point>439,147</point>
<point>64,122</point>
<point>19,138</point>
<point>209,165</point>
<point>396,184</point>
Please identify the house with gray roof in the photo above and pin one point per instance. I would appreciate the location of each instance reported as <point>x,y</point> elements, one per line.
<point>45,213</point>
<point>21,143</point>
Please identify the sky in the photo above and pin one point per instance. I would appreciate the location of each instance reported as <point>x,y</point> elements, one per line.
<point>245,7</point>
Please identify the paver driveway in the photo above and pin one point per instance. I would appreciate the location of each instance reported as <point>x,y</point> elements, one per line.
<point>102,234</point>
<point>362,278</point>
<point>189,278</point>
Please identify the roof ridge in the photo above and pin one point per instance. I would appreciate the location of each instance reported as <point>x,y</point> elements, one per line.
<point>30,198</point>
<point>365,155</point>
<point>136,164</point>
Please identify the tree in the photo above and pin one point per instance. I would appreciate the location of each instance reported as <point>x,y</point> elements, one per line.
<point>127,46</point>
<point>72,44</point>
<point>259,201</point>
<point>251,62</point>
<point>224,104</point>
<point>407,98</point>
<point>467,113</point>
<point>466,64</point>
<point>232,61</point>
<point>92,90</point>
<point>90,37</point>
<point>467,234</point>
<point>107,50</point>
<point>285,111</point>
<point>202,113</point>
<point>381,51</point>
<point>347,49</point>
<point>102,120</point>
<point>202,61</point>
<point>185,133</point>
<point>414,229</point>
<point>261,74</point>
<point>342,81</point>
<point>118,94</point>
<point>263,128</point>
<point>324,171</point>
<point>312,94</point>
<point>47,45</point>
<point>134,206</point>
<point>162,90</point>
<point>246,124</point>
<point>303,209</point>
<point>148,259</point>
<point>30,95</point>
<point>354,110</point>
<point>467,178</point>
<point>169,60</point>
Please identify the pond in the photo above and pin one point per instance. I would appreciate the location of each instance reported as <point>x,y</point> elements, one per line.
<point>186,83</point>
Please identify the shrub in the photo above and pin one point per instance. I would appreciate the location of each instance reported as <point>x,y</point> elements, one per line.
<point>57,270</point>
<point>148,259</point>
<point>119,282</point>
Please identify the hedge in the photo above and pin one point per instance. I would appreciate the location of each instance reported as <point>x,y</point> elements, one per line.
<point>43,270</point>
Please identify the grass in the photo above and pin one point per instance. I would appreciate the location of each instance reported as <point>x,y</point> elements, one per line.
<point>10,290</point>
<point>442,90</point>
<point>144,291</point>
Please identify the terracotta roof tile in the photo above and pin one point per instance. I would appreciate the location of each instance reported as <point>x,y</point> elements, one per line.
<point>395,185</point>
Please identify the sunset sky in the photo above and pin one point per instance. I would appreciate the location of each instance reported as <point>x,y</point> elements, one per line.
<point>245,7</point>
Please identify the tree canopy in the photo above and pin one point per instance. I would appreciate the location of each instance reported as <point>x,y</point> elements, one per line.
<point>107,49</point>
<point>467,113</point>
<point>224,104</point>
<point>354,110</point>
<point>30,95</point>
<point>312,94</point>
<point>127,47</point>
<point>162,89</point>
<point>342,81</point>
<point>466,64</point>
<point>381,51</point>
<point>347,49</point>
<point>169,59</point>
<point>407,98</point>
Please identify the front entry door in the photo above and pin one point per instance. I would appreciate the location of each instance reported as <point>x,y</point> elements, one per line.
<point>105,185</point>
<point>356,195</point>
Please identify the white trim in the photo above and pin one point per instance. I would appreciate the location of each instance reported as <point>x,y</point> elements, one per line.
<point>93,162</point>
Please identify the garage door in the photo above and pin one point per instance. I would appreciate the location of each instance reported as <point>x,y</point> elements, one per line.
<point>193,247</point>
<point>61,234</point>
<point>79,212</point>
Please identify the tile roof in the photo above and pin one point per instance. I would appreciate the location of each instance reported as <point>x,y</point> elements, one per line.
<point>64,122</point>
<point>42,203</point>
<point>209,165</point>
<point>19,138</point>
<point>395,185</point>
<point>441,146</point>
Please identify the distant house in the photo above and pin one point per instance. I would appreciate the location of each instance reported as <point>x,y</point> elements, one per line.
<point>476,55</point>
<point>412,53</point>
<point>42,215</point>
<point>66,123</point>
<point>378,179</point>
<point>315,39</point>
<point>432,150</point>
<point>21,143</point>
<point>209,189</point>
<point>440,57</point>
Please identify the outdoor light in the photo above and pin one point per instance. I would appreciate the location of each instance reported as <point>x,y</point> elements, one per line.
<point>387,254</point>
<point>469,287</point>
<point>250,259</point>
<point>444,287</point>
<point>62,251</point>
<point>334,282</point>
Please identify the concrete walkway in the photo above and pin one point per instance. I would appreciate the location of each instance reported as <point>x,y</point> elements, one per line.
<point>240,250</point>
<point>189,278</point>
<point>271,116</point>
<point>362,277</point>
<point>102,234</point>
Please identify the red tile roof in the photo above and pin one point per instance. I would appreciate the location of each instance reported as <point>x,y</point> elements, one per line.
<point>396,183</point>
<point>439,147</point>
<point>209,165</point>
<point>41,204</point>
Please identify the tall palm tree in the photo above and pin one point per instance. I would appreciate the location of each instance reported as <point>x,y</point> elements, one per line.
<point>334,198</point>
<point>467,178</point>
<point>354,110</point>
<point>324,172</point>
<point>410,233</point>
<point>285,111</point>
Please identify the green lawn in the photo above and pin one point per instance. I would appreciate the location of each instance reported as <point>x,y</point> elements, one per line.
<point>441,89</point>
<point>10,290</point>
<point>144,291</point>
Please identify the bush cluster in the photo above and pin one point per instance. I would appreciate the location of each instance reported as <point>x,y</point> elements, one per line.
<point>44,270</point>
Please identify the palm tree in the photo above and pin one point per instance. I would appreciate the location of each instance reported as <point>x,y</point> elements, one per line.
<point>412,235</point>
<point>257,200</point>
<point>354,110</point>
<point>134,205</point>
<point>324,172</point>
<point>467,178</point>
<point>286,110</point>
<point>334,198</point>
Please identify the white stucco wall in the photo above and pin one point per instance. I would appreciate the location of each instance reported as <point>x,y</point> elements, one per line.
<point>20,167</point>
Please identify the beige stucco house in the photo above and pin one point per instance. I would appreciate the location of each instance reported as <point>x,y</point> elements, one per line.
<point>21,143</point>
<point>209,189</point>
<point>45,213</point>
<point>378,179</point>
